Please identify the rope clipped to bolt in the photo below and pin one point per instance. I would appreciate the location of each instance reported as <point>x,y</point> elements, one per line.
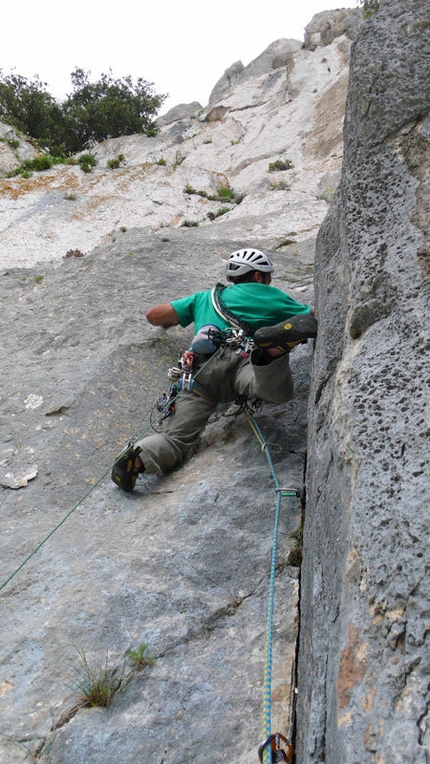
<point>275,746</point>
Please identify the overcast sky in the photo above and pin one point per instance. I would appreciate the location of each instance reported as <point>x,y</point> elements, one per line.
<point>182,46</point>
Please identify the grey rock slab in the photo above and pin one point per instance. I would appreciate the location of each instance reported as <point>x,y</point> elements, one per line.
<point>182,564</point>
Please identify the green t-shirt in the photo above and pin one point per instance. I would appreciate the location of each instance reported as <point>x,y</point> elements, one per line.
<point>255,304</point>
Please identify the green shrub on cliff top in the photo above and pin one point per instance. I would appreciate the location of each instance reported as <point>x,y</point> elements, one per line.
<point>94,111</point>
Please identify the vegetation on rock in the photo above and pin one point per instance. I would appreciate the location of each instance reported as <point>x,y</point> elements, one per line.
<point>95,111</point>
<point>369,7</point>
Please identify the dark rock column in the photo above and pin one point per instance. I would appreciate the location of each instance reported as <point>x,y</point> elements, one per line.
<point>364,653</point>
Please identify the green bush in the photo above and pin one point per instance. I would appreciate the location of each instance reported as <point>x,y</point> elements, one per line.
<point>87,162</point>
<point>226,193</point>
<point>113,164</point>
<point>38,164</point>
<point>280,164</point>
<point>27,105</point>
<point>95,111</point>
<point>369,7</point>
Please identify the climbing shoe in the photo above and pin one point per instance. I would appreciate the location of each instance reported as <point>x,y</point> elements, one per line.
<point>124,473</point>
<point>287,334</point>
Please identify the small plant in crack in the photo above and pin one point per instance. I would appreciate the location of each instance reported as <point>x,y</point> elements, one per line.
<point>189,189</point>
<point>96,686</point>
<point>189,224</point>
<point>137,657</point>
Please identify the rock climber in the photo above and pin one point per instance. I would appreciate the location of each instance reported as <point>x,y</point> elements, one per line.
<point>243,334</point>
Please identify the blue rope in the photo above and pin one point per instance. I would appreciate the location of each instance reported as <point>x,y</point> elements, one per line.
<point>268,658</point>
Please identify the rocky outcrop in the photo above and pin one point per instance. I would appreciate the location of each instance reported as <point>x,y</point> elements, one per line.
<point>364,651</point>
<point>327,25</point>
<point>15,148</point>
<point>226,82</point>
<point>181,111</point>
<point>277,54</point>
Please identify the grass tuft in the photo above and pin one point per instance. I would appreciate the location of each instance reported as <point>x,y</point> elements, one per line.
<point>98,686</point>
<point>137,657</point>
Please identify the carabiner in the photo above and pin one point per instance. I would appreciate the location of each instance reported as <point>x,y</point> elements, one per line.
<point>276,752</point>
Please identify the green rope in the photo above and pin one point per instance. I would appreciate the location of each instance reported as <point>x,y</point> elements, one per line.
<point>82,499</point>
<point>51,533</point>
<point>268,657</point>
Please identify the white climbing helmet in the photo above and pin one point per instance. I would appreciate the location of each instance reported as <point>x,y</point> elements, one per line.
<point>245,260</point>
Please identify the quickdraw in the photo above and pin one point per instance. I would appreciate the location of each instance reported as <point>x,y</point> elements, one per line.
<point>277,753</point>
<point>165,403</point>
<point>238,341</point>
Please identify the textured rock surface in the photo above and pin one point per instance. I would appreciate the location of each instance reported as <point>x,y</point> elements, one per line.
<point>181,111</point>
<point>182,564</point>
<point>364,649</point>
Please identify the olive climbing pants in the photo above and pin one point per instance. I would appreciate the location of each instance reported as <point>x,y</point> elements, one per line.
<point>221,379</point>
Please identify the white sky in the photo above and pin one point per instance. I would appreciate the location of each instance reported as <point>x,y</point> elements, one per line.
<point>182,46</point>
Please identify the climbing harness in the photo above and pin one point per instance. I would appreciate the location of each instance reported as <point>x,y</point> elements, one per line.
<point>182,376</point>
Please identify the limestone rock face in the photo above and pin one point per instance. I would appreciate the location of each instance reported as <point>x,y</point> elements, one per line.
<point>216,168</point>
<point>182,564</point>
<point>364,652</point>
<point>227,81</point>
<point>277,54</point>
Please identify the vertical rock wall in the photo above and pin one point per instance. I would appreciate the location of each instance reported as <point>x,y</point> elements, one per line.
<point>364,646</point>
